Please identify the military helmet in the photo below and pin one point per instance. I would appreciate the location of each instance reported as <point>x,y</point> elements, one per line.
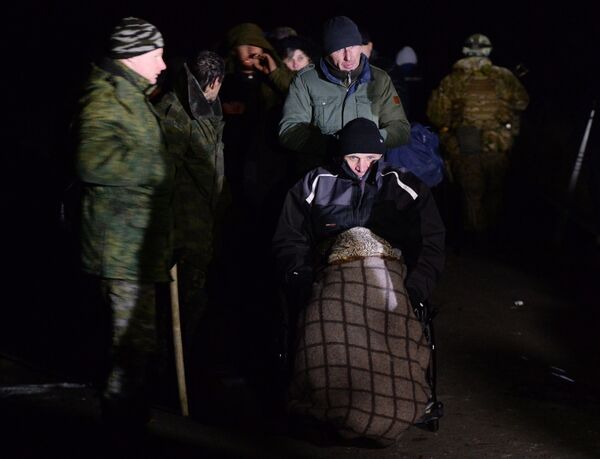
<point>477,45</point>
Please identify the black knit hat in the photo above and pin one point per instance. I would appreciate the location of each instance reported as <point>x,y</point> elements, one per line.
<point>340,32</point>
<point>134,36</point>
<point>360,136</point>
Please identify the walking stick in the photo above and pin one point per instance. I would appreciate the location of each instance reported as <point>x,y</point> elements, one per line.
<point>178,345</point>
<point>575,174</point>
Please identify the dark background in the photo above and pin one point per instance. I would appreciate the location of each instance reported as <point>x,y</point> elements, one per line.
<point>49,46</point>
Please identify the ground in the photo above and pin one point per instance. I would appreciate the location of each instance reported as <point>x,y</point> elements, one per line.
<point>517,371</point>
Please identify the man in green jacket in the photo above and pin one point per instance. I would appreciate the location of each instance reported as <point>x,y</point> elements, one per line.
<point>343,86</point>
<point>127,184</point>
<point>193,124</point>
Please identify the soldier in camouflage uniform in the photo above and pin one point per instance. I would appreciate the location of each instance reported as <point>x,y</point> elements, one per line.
<point>477,108</point>
<point>127,184</point>
<point>193,123</point>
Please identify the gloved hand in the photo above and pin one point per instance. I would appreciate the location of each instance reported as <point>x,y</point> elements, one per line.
<point>416,303</point>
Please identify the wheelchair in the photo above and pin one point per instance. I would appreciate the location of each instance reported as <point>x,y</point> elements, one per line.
<point>425,312</point>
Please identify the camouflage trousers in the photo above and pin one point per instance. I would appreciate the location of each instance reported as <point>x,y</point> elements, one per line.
<point>132,308</point>
<point>481,179</point>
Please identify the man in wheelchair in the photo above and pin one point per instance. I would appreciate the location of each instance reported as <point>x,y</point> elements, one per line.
<point>360,245</point>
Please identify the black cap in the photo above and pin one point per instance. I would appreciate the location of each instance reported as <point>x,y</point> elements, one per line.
<point>340,32</point>
<point>360,136</point>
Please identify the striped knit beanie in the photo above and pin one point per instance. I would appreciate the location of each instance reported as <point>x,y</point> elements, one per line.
<point>134,36</point>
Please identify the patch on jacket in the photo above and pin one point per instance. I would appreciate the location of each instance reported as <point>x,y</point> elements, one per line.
<point>396,100</point>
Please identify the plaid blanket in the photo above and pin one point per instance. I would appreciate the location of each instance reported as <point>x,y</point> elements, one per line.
<point>361,355</point>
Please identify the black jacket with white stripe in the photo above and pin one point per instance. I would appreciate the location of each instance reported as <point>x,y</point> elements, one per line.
<point>391,202</point>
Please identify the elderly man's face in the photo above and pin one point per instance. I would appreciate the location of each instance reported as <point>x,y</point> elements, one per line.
<point>346,59</point>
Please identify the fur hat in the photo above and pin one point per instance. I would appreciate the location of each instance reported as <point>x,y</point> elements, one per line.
<point>340,32</point>
<point>134,36</point>
<point>360,136</point>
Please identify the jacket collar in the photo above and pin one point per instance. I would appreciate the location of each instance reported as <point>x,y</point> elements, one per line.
<point>114,67</point>
<point>364,76</point>
<point>370,177</point>
<point>192,98</point>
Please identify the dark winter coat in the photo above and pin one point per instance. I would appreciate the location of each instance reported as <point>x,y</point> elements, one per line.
<point>394,205</point>
<point>254,160</point>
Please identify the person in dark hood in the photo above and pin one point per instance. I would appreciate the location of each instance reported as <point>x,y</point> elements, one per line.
<point>253,94</point>
<point>192,120</point>
<point>256,83</point>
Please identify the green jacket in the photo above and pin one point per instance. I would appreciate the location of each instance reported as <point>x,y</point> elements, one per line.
<point>318,106</point>
<point>127,178</point>
<point>194,132</point>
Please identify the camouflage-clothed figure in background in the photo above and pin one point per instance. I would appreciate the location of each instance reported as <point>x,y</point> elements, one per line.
<point>127,183</point>
<point>193,123</point>
<point>477,109</point>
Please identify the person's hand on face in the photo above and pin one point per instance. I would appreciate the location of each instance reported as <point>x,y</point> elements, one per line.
<point>255,58</point>
<point>263,62</point>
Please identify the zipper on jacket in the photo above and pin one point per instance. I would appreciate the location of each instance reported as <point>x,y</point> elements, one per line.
<point>350,84</point>
<point>355,201</point>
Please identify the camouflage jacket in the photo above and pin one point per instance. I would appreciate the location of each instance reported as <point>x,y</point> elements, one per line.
<point>194,131</point>
<point>319,105</point>
<point>127,178</point>
<point>481,95</point>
